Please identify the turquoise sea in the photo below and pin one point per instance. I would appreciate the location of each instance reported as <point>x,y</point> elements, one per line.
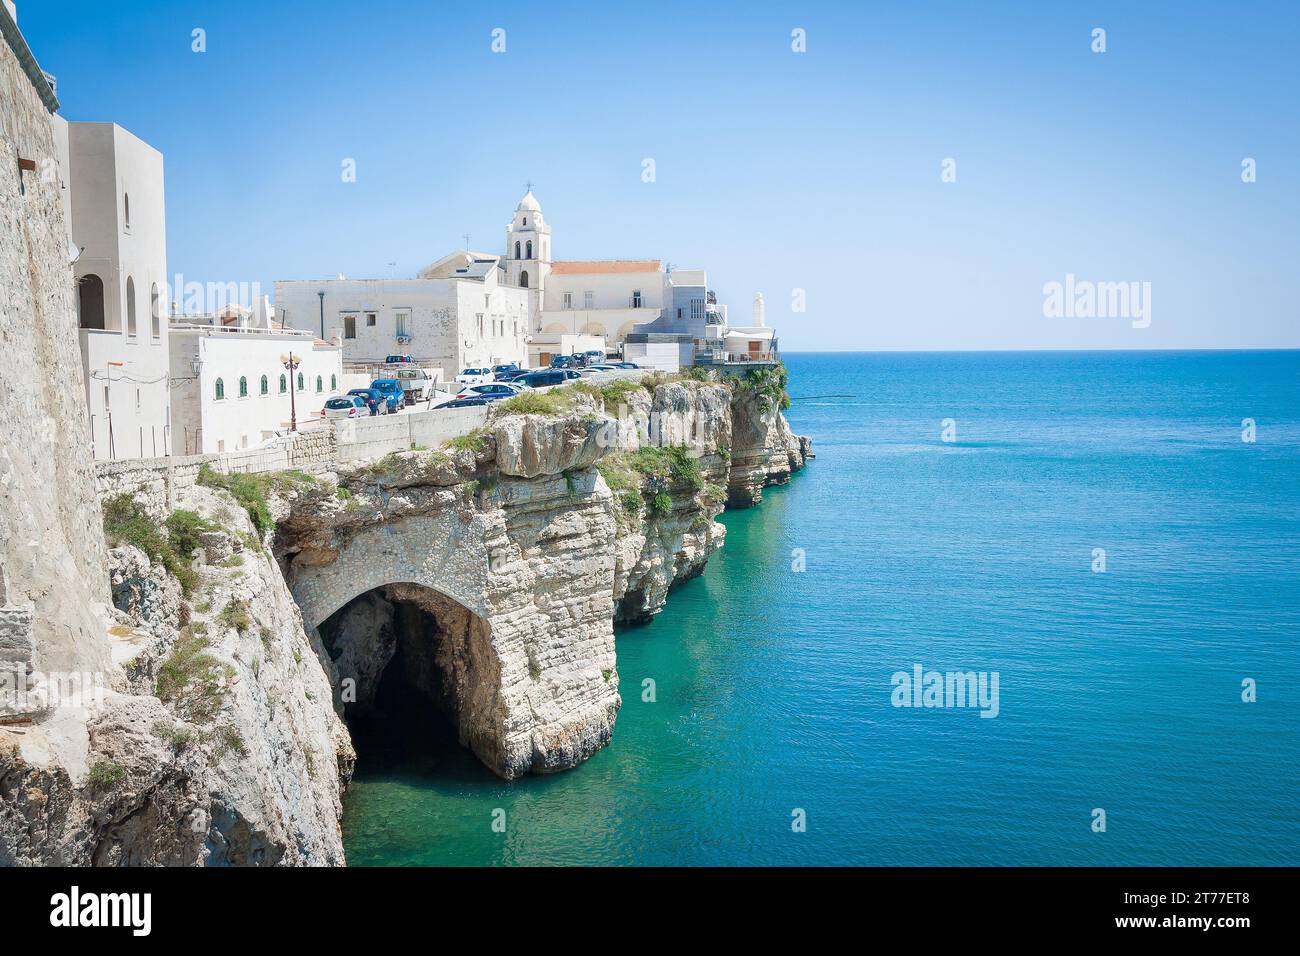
<point>1119,690</point>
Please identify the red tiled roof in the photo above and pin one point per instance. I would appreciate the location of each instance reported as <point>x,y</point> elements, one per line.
<point>578,267</point>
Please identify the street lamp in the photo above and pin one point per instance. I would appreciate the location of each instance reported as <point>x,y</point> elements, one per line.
<point>291,363</point>
<point>322,313</point>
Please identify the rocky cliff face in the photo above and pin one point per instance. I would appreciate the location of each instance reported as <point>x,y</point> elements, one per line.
<point>215,743</point>
<point>504,547</point>
<point>764,450</point>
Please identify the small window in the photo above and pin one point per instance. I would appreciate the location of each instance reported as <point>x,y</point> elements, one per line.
<point>155,311</point>
<point>371,319</point>
<point>402,322</point>
<point>284,384</point>
<point>529,247</point>
<point>243,387</point>
<point>302,383</point>
<point>523,279</point>
<point>130,306</point>
<point>334,383</point>
<point>220,390</point>
<point>266,385</point>
<point>636,298</point>
<point>568,300</point>
<point>126,207</point>
<point>320,385</point>
<point>587,298</point>
<point>516,248</point>
<point>349,326</point>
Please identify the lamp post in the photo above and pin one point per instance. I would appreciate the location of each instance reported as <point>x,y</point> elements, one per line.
<point>322,313</point>
<point>292,363</point>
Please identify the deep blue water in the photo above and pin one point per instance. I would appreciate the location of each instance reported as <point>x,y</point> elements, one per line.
<point>1118,690</point>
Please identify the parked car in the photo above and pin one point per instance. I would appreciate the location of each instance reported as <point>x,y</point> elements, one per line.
<point>373,398</point>
<point>392,391</point>
<point>563,361</point>
<point>592,357</point>
<point>512,374</point>
<point>344,406</point>
<point>600,368</point>
<point>624,365</point>
<point>474,376</point>
<point>499,370</point>
<point>465,402</point>
<point>494,390</point>
<point>399,360</point>
<point>555,376</point>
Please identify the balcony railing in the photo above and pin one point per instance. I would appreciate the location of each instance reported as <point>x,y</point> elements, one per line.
<point>708,356</point>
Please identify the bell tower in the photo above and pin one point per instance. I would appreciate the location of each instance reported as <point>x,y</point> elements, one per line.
<point>528,250</point>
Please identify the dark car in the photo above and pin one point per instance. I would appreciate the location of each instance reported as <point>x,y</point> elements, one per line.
<point>511,375</point>
<point>624,365</point>
<point>555,376</point>
<point>373,398</point>
<point>465,402</point>
<point>499,370</point>
<point>564,361</point>
<point>392,391</point>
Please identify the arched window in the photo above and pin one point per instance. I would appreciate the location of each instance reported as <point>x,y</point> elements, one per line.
<point>243,387</point>
<point>155,312</point>
<point>221,389</point>
<point>320,385</point>
<point>523,279</point>
<point>516,248</point>
<point>284,384</point>
<point>529,247</point>
<point>302,384</point>
<point>130,306</point>
<point>90,302</point>
<point>334,383</point>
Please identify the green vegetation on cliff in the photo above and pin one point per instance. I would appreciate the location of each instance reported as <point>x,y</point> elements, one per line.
<point>172,545</point>
<point>252,491</point>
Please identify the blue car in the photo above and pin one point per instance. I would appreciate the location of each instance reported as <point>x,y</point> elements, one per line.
<point>391,390</point>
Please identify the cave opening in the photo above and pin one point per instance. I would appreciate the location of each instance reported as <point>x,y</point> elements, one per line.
<point>413,675</point>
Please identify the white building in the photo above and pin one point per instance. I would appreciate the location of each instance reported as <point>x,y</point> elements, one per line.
<point>458,312</point>
<point>114,202</point>
<point>231,389</point>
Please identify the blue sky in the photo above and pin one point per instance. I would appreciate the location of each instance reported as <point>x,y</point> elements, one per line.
<point>775,170</point>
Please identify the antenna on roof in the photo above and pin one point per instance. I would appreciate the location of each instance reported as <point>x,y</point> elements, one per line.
<point>465,236</point>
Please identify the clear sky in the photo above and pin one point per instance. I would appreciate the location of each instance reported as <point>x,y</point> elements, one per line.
<point>775,170</point>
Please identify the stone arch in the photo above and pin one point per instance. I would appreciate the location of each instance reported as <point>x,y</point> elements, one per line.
<point>407,595</point>
<point>625,328</point>
<point>438,553</point>
<point>593,328</point>
<point>556,327</point>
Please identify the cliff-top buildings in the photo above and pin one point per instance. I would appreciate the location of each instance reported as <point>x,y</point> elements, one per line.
<point>471,309</point>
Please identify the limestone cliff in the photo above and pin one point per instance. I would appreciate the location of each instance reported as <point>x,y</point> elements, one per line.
<point>764,450</point>
<point>216,742</point>
<point>505,545</point>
